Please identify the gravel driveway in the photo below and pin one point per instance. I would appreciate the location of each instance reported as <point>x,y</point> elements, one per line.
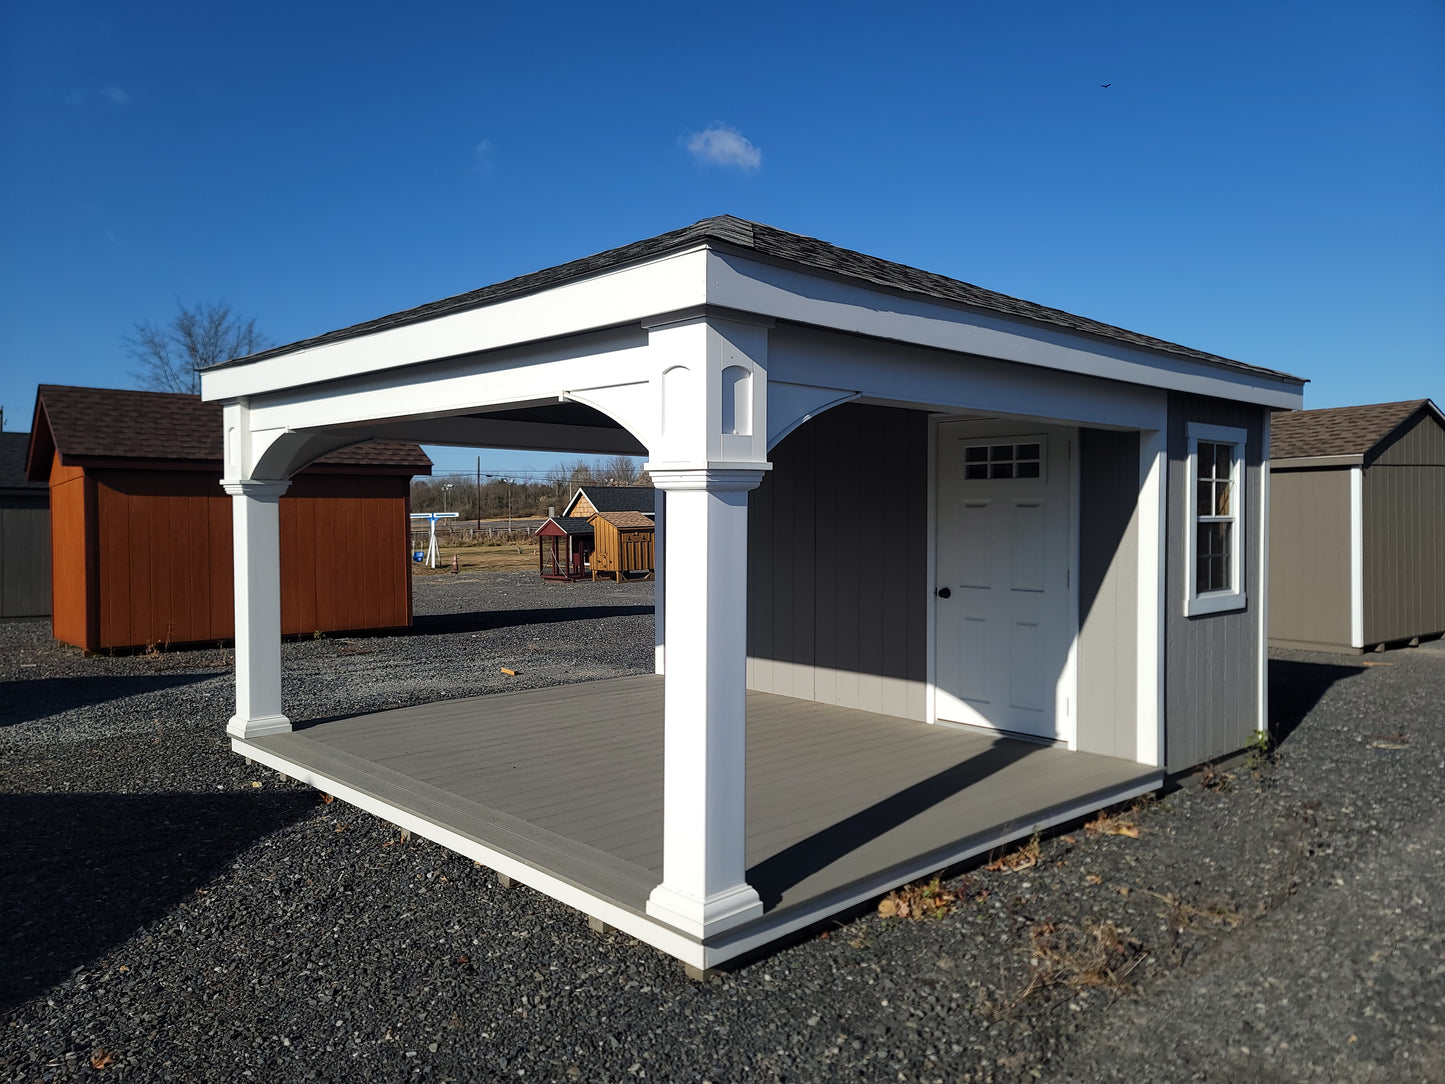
<point>171,914</point>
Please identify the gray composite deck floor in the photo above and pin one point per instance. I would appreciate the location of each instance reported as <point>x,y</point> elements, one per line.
<point>569,780</point>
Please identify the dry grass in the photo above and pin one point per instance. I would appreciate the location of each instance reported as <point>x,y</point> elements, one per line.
<point>1122,822</point>
<point>1026,857</point>
<point>921,899</point>
<point>481,557</point>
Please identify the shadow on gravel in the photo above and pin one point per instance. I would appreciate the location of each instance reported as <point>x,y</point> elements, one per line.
<point>80,873</point>
<point>24,701</point>
<point>775,875</point>
<point>485,620</point>
<point>1295,688</point>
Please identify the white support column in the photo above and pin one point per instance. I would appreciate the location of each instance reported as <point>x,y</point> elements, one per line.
<point>659,588</point>
<point>704,888</point>
<point>256,528</point>
<point>1152,513</point>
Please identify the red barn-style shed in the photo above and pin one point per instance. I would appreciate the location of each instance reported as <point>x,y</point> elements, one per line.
<point>141,531</point>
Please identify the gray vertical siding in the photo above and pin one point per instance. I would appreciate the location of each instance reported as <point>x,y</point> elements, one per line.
<point>1211,661</point>
<point>1108,592</point>
<point>1403,493</point>
<point>24,556</point>
<point>837,559</point>
<point>1421,443</point>
<point>1309,557</point>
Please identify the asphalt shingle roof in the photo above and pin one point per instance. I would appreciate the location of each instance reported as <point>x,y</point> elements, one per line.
<point>619,498</point>
<point>1351,430</point>
<point>773,244</point>
<point>13,449</point>
<point>573,524</point>
<point>626,520</point>
<point>111,423</point>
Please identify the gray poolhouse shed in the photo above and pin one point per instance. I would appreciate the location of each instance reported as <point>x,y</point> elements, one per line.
<point>1049,620</point>
<point>1357,526</point>
<point>24,534</point>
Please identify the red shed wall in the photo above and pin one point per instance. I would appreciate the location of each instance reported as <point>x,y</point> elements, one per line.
<point>164,558</point>
<point>68,538</point>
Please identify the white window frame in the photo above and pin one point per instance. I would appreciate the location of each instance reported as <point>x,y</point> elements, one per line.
<point>1213,602</point>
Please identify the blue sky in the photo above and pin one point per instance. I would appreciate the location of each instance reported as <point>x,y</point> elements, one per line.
<point>1264,181</point>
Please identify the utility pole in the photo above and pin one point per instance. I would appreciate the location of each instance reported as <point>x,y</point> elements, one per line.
<point>479,495</point>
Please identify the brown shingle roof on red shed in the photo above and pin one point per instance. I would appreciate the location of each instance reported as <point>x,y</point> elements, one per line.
<point>1351,430</point>
<point>113,425</point>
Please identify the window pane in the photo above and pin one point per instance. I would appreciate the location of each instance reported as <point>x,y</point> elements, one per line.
<point>975,455</point>
<point>1027,470</point>
<point>1206,461</point>
<point>1213,559</point>
<point>1221,499</point>
<point>1223,455</point>
<point>1000,470</point>
<point>976,470</point>
<point>1028,451</point>
<point>1001,451</point>
<point>1204,499</point>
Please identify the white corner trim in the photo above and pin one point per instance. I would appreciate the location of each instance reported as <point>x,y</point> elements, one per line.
<point>930,608</point>
<point>1215,602</point>
<point>1261,608</point>
<point>1357,557</point>
<point>1153,557</point>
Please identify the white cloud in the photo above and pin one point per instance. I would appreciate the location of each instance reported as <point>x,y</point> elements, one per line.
<point>482,156</point>
<point>719,145</point>
<point>116,94</point>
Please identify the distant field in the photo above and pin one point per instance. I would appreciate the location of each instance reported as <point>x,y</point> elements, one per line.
<point>485,557</point>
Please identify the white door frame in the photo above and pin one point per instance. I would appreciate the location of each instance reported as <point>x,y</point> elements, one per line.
<point>1066,706</point>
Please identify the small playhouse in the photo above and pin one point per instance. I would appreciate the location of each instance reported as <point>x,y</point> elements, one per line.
<point>607,531</point>
<point>564,548</point>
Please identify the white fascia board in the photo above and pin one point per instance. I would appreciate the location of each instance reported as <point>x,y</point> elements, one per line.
<point>446,388</point>
<point>786,294</point>
<point>886,372</point>
<point>622,296</point>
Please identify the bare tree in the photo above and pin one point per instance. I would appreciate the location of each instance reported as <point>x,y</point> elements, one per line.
<point>169,357</point>
<point>618,470</point>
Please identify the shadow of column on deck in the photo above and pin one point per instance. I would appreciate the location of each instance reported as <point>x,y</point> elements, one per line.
<point>775,875</point>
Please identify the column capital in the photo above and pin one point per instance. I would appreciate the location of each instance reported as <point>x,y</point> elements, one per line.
<point>255,487</point>
<point>714,478</point>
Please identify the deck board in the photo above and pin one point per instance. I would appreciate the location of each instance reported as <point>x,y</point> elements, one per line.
<point>569,780</point>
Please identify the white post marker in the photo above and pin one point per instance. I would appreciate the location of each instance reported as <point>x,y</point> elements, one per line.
<point>431,518</point>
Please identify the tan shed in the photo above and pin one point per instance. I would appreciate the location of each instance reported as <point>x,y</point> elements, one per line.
<point>1357,526</point>
<point>624,545</point>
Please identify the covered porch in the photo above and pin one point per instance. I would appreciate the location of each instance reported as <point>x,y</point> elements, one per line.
<point>562,789</point>
<point>784,392</point>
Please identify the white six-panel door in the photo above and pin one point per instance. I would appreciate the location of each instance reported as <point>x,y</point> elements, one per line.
<point>1004,548</point>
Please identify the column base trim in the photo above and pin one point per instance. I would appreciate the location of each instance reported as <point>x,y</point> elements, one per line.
<point>257,727</point>
<point>705,917</point>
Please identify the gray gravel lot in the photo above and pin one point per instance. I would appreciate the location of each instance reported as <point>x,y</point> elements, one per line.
<point>166,918</point>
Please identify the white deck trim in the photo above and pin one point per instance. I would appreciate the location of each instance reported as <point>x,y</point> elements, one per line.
<point>659,935</point>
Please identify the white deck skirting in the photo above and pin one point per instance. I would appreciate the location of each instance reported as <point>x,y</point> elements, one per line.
<point>561,790</point>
